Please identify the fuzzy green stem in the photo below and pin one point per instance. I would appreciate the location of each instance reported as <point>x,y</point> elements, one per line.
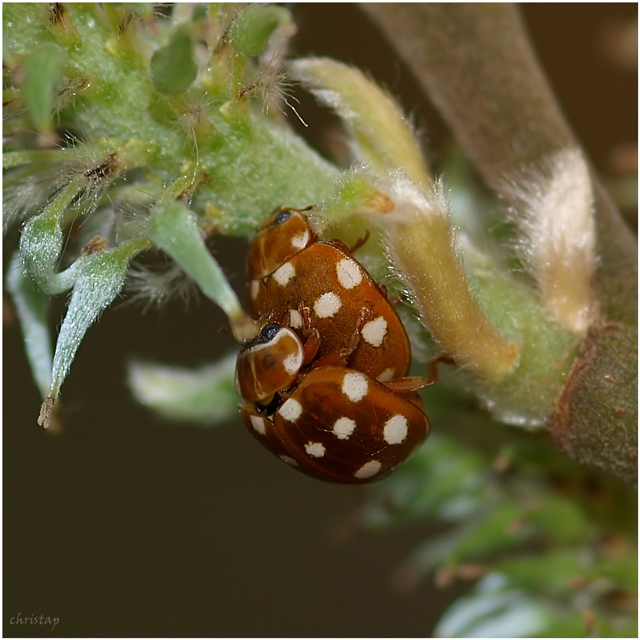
<point>385,138</point>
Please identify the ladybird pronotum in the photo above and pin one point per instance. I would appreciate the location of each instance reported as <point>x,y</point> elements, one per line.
<point>323,382</point>
<point>268,363</point>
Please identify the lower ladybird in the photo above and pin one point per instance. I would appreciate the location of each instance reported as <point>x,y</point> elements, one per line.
<point>340,425</point>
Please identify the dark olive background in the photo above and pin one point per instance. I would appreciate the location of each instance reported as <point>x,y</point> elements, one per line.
<point>124,525</point>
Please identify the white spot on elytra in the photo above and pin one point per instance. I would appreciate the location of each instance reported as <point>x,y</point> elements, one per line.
<point>254,288</point>
<point>295,319</point>
<point>368,470</point>
<point>283,274</point>
<point>355,386</point>
<point>386,375</point>
<point>315,449</point>
<point>349,273</point>
<point>289,460</point>
<point>344,427</point>
<point>300,241</point>
<point>291,410</point>
<point>396,429</point>
<point>374,331</point>
<point>293,362</point>
<point>258,424</point>
<point>327,305</point>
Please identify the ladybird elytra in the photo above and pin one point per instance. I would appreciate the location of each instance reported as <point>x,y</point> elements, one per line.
<point>340,425</point>
<point>343,301</point>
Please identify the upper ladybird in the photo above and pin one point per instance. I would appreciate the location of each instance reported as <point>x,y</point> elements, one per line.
<point>283,234</point>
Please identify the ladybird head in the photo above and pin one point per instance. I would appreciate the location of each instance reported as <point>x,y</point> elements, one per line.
<point>268,363</point>
<point>283,234</point>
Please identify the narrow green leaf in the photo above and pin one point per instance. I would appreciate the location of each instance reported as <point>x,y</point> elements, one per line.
<point>546,572</point>
<point>43,68</point>
<point>252,29</point>
<point>174,229</point>
<point>31,307</point>
<point>206,396</point>
<point>100,278</point>
<point>41,244</point>
<point>173,67</point>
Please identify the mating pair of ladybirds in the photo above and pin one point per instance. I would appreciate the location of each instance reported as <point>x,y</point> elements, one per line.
<point>324,383</point>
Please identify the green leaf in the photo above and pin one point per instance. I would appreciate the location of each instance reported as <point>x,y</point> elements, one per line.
<point>546,572</point>
<point>622,570</point>
<point>206,396</point>
<point>31,307</point>
<point>173,227</point>
<point>560,518</point>
<point>100,278</point>
<point>41,245</point>
<point>497,530</point>
<point>253,27</point>
<point>172,67</point>
<point>43,69</point>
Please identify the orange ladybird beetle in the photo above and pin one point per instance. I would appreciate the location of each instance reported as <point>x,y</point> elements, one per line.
<point>283,234</point>
<point>319,285</point>
<point>341,425</point>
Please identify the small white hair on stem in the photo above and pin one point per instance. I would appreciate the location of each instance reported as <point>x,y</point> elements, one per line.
<point>156,285</point>
<point>272,85</point>
<point>555,214</point>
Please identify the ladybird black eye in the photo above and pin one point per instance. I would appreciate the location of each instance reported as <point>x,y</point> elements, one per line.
<point>269,331</point>
<point>282,217</point>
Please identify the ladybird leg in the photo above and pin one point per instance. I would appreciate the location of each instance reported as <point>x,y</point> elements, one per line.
<point>345,247</point>
<point>284,319</point>
<point>393,298</point>
<point>365,314</point>
<point>433,367</point>
<point>311,346</point>
<point>305,314</point>
<point>338,244</point>
<point>407,385</point>
<point>382,288</point>
<point>360,242</point>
